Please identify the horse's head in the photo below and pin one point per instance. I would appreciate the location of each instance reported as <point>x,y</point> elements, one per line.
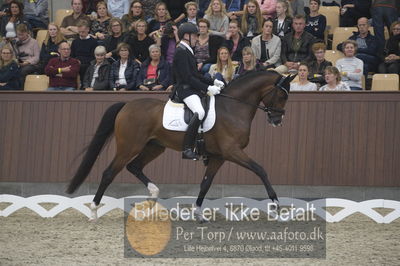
<point>275,99</point>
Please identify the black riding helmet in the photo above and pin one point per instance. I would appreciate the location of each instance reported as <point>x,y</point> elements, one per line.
<point>187,27</point>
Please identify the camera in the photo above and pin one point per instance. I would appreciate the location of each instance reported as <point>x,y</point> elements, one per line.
<point>20,56</point>
<point>168,30</point>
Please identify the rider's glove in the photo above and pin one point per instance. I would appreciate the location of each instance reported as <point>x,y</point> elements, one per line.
<point>219,83</point>
<point>213,90</point>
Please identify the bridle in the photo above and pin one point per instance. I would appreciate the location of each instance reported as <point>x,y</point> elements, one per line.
<point>268,109</point>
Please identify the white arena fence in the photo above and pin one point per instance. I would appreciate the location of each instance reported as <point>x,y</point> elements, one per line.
<point>109,203</point>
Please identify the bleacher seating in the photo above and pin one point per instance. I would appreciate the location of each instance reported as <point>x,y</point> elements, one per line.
<point>385,82</point>
<point>60,15</point>
<point>340,34</point>
<point>36,83</point>
<point>41,35</point>
<point>333,56</point>
<point>332,14</point>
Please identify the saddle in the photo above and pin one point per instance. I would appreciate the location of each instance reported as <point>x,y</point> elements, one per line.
<point>188,115</point>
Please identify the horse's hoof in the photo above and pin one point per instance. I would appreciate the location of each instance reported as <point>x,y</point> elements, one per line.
<point>92,220</point>
<point>201,220</point>
<point>198,215</point>
<point>153,190</point>
<point>275,203</point>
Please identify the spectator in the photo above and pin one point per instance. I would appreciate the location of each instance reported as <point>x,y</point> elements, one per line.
<point>69,24</point>
<point>168,41</point>
<point>50,46</point>
<point>268,8</point>
<point>83,47</point>
<point>149,8</point>
<point>317,64</point>
<point>316,23</point>
<point>368,46</point>
<point>303,84</point>
<point>333,80</point>
<point>9,70</point>
<point>139,42</point>
<point>296,46</point>
<point>155,72</point>
<point>251,23</point>
<point>224,69</point>
<point>99,27</point>
<point>234,8</point>
<point>217,16</point>
<point>206,46</point>
<point>350,66</point>
<point>5,8</point>
<point>135,13</point>
<point>14,17</point>
<point>161,18</point>
<point>249,62</point>
<point>114,38</point>
<point>191,13</point>
<point>37,13</point>
<point>176,9</point>
<point>391,62</point>
<point>89,6</point>
<point>124,72</point>
<point>203,6</point>
<point>63,71</point>
<point>297,7</point>
<point>118,8</point>
<point>283,21</point>
<point>27,51</point>
<point>235,41</point>
<point>384,13</point>
<point>267,46</point>
<point>96,76</point>
<point>352,10</point>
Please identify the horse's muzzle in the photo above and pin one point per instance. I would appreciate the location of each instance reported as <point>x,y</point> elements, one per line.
<point>275,120</point>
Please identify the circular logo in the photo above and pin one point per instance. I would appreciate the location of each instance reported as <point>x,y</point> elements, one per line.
<point>148,227</point>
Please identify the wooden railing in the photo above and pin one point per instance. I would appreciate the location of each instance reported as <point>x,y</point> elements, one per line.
<point>327,139</point>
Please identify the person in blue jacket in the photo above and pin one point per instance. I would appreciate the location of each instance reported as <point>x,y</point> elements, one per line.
<point>124,72</point>
<point>9,70</point>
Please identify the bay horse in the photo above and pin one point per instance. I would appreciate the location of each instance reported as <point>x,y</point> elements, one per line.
<point>140,136</point>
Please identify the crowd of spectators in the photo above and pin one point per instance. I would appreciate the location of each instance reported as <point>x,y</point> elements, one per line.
<point>129,45</point>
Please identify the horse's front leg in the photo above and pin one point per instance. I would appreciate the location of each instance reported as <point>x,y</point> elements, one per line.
<point>239,157</point>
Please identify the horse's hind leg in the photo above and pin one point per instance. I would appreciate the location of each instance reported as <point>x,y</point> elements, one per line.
<point>151,151</point>
<point>108,176</point>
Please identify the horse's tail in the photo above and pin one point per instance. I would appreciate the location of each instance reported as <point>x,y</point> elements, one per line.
<point>103,132</point>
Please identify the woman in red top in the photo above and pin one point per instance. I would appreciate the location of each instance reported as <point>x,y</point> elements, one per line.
<point>155,72</point>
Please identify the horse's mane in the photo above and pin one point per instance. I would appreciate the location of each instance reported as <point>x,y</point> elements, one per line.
<point>248,75</point>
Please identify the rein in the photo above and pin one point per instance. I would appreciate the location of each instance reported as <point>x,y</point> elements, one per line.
<point>267,109</point>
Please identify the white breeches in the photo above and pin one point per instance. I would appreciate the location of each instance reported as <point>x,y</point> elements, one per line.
<point>194,104</point>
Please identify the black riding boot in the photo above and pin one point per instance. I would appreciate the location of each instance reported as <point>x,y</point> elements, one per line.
<point>190,139</point>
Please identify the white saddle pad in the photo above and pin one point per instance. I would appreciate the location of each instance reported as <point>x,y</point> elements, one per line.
<point>173,117</point>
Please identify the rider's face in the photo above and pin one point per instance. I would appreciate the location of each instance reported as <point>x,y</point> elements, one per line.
<point>193,39</point>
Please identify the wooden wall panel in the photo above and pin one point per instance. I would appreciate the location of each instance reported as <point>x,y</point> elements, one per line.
<point>327,139</point>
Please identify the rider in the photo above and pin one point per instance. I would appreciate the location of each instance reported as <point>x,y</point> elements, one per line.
<point>191,84</point>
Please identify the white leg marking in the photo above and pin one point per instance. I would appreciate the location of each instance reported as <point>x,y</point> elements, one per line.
<point>153,189</point>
